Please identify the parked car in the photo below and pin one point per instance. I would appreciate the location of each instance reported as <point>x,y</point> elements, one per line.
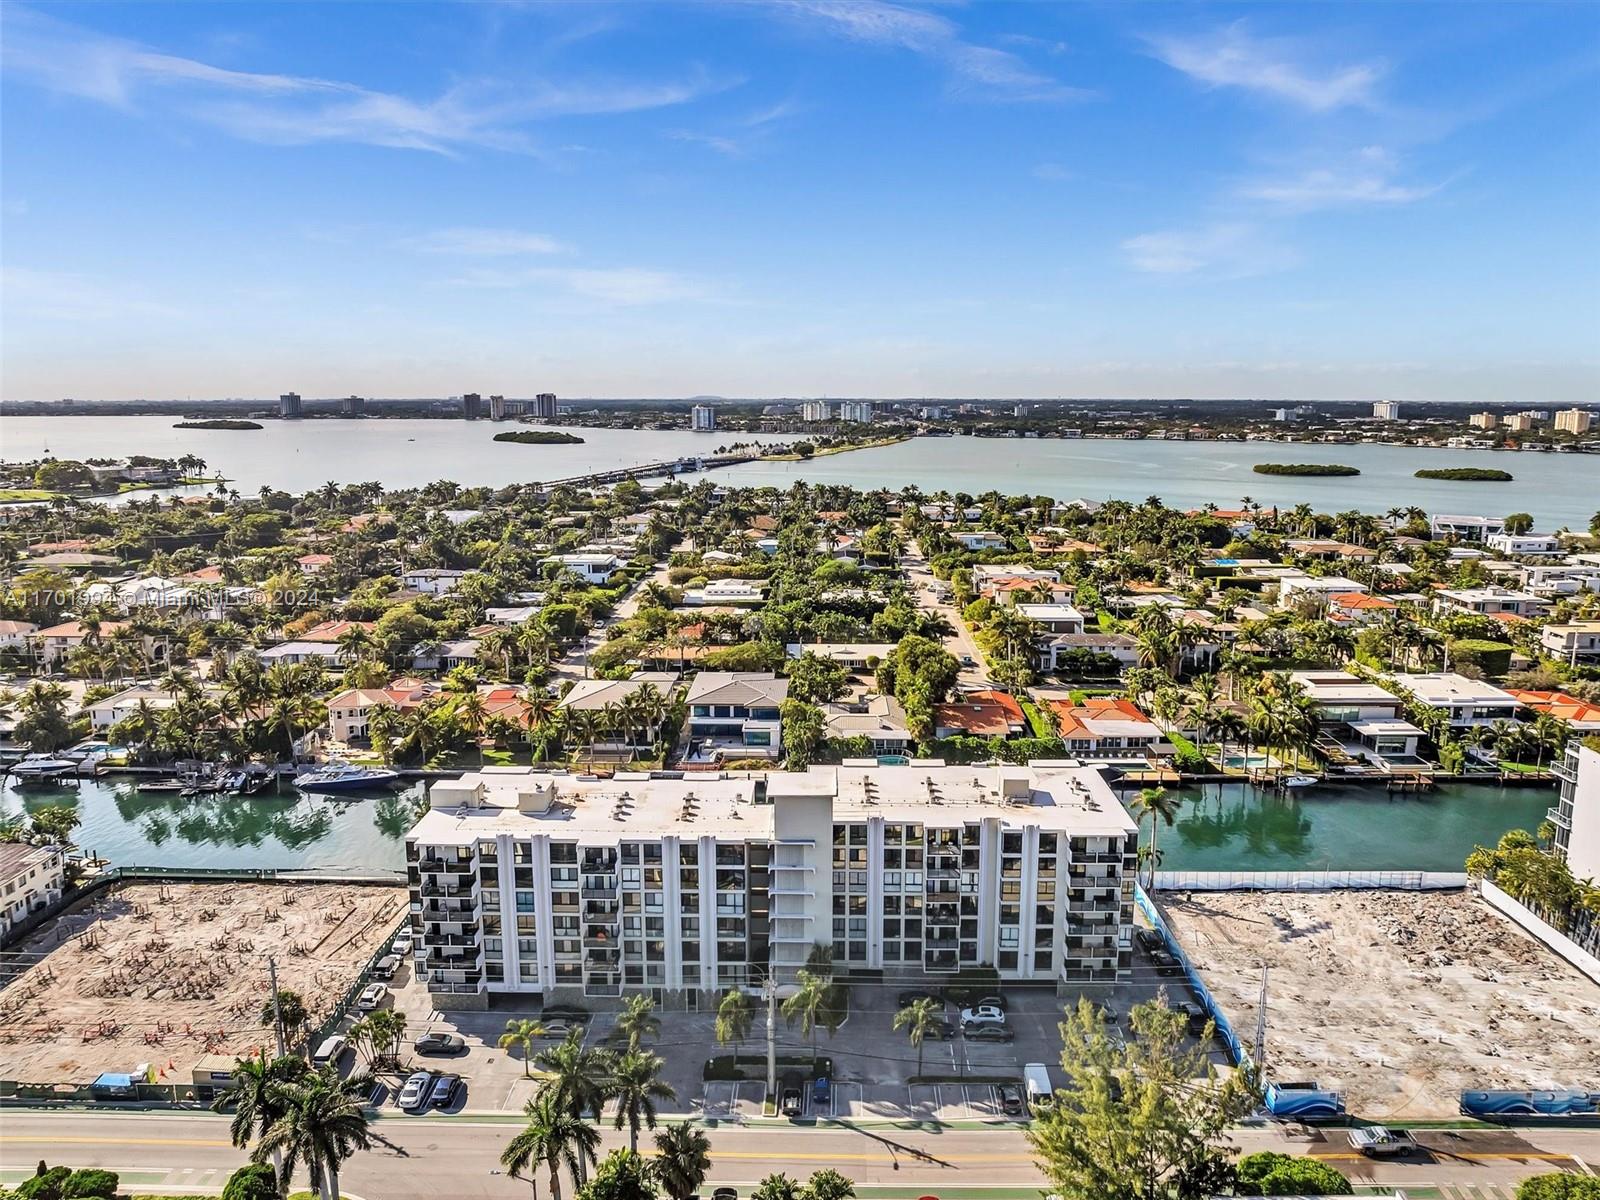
<point>968,661</point>
<point>987,1033</point>
<point>440,1042</point>
<point>724,1193</point>
<point>792,1103</point>
<point>1194,1015</point>
<point>386,966</point>
<point>1376,1141</point>
<point>944,1031</point>
<point>416,1091</point>
<point>1010,1097</point>
<point>906,999</point>
<point>445,1089</point>
<point>402,945</point>
<point>1149,939</point>
<point>821,1092</point>
<point>560,1028</point>
<point>1164,963</point>
<point>983,1014</point>
<point>371,996</point>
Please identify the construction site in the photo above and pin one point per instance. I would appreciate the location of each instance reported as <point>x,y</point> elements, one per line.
<point>1400,1000</point>
<point>166,973</point>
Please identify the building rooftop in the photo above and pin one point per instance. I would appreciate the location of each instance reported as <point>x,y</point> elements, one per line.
<point>738,687</point>
<point>1336,687</point>
<point>1446,687</point>
<point>1056,795</point>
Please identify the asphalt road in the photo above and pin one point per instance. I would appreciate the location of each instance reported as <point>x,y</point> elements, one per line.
<point>431,1157</point>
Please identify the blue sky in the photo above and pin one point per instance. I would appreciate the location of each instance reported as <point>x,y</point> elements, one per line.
<point>820,197</point>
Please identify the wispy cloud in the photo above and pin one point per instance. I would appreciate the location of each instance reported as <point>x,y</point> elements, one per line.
<point>743,135</point>
<point>1226,250</point>
<point>485,243</point>
<point>1366,181</point>
<point>977,69</point>
<point>732,147</point>
<point>286,109</point>
<point>1233,57</point>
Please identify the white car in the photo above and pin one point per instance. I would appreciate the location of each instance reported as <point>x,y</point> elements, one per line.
<point>417,1090</point>
<point>983,1014</point>
<point>402,945</point>
<point>371,996</point>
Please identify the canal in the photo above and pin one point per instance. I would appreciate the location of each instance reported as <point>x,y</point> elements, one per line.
<point>1228,827</point>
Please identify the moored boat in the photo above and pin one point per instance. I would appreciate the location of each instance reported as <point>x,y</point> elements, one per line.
<point>342,777</point>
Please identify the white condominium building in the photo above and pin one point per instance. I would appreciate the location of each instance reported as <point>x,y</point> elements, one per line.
<point>702,418</point>
<point>31,879</point>
<point>1573,420</point>
<point>682,887</point>
<point>1576,816</point>
<point>857,411</point>
<point>816,410</point>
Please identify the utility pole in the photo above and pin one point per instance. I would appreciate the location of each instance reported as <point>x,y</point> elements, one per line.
<point>277,1012</point>
<point>1261,1026</point>
<point>772,1035</point>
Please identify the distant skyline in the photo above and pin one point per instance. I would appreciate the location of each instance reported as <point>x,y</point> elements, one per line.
<point>802,198</point>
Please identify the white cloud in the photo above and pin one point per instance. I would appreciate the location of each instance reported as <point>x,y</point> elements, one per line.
<point>485,243</point>
<point>1228,250</point>
<point>296,110</point>
<point>981,69</point>
<point>1322,188</point>
<point>1231,57</point>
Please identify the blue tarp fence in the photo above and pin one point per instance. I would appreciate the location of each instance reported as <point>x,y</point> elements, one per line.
<point>1230,1039</point>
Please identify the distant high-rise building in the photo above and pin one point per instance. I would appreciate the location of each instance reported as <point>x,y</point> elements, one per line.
<point>703,418</point>
<point>1021,410</point>
<point>857,411</point>
<point>544,407</point>
<point>1483,420</point>
<point>289,405</point>
<point>1573,420</point>
<point>931,412</point>
<point>354,406</point>
<point>1386,410</point>
<point>1518,422</point>
<point>497,408</point>
<point>816,410</point>
<point>471,406</point>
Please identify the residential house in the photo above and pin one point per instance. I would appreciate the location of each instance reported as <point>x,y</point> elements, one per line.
<point>432,581</point>
<point>1468,702</point>
<point>444,656</point>
<point>1572,641</point>
<point>350,712</point>
<point>1580,716</point>
<point>1292,589</point>
<point>1465,528</point>
<point>1321,548</point>
<point>979,539</point>
<point>516,614</point>
<point>325,654</point>
<point>986,714</point>
<point>879,719</point>
<point>1525,545</point>
<point>1558,579</point>
<point>1105,728</point>
<point>1055,652</point>
<point>31,879</point>
<point>334,631</point>
<point>17,636</point>
<point>1388,737</point>
<point>1489,602</point>
<point>743,593</point>
<point>735,714</point>
<point>853,656</point>
<point>1053,618</point>
<point>313,564</point>
<point>1343,698</point>
<point>596,568</point>
<point>54,642</point>
<point>614,695</point>
<point>1358,608</point>
<point>103,714</point>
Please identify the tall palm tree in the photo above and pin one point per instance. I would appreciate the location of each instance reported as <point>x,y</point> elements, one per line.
<point>324,1123</point>
<point>256,1098</point>
<point>521,1034</point>
<point>638,1020</point>
<point>577,1075</point>
<point>918,1019</point>
<point>473,715</point>
<point>1159,805</point>
<point>553,1137</point>
<point>806,1004</point>
<point>735,1015</point>
<point>636,1084</point>
<point>683,1158</point>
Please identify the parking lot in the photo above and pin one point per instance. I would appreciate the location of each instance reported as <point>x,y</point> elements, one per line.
<point>873,1064</point>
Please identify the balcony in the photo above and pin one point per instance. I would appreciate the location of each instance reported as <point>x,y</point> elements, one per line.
<point>452,891</point>
<point>601,909</point>
<point>596,889</point>
<point>471,987</point>
<point>1557,818</point>
<point>790,889</point>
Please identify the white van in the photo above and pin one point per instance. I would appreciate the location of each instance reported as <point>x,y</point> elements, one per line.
<point>1036,1086</point>
<point>331,1052</point>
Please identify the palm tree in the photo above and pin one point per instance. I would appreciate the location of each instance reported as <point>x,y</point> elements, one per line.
<point>325,1121</point>
<point>735,1015</point>
<point>828,1184</point>
<point>554,1137</point>
<point>683,1157</point>
<point>577,1075</point>
<point>520,1035</point>
<point>776,1186</point>
<point>806,1004</point>
<point>1158,805</point>
<point>636,1084</point>
<point>638,1020</point>
<point>918,1019</point>
<point>256,1098</point>
<point>473,715</point>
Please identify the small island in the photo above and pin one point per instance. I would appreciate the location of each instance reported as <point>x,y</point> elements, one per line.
<point>1476,474</point>
<point>219,423</point>
<point>1305,469</point>
<point>539,437</point>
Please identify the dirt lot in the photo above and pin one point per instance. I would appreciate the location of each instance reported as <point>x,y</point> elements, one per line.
<point>1401,1000</point>
<point>163,973</point>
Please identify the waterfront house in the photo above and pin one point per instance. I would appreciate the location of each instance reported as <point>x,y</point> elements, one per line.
<point>1578,715</point>
<point>735,714</point>
<point>103,714</point>
<point>1465,528</point>
<point>608,698</point>
<point>1343,698</point>
<point>595,568</point>
<point>31,879</point>
<point>350,712</point>
<point>1572,641</point>
<point>1466,702</point>
<point>1525,545</point>
<point>986,713</point>
<point>1103,727</point>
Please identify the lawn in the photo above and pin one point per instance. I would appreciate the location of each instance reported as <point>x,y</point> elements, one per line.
<point>1037,721</point>
<point>8,495</point>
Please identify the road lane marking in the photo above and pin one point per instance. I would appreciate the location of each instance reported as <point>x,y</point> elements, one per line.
<point>108,1141</point>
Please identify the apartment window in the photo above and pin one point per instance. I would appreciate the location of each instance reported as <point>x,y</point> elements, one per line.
<point>1008,960</point>
<point>1043,960</point>
<point>891,879</point>
<point>689,856</point>
<point>630,876</point>
<point>526,925</point>
<point>527,946</point>
<point>492,945</point>
<point>524,902</point>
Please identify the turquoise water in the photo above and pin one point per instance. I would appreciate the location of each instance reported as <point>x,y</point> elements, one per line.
<point>1240,828</point>
<point>1558,489</point>
<point>1235,827</point>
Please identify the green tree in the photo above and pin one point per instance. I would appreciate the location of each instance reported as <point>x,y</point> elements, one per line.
<point>828,1184</point>
<point>325,1121</point>
<point>291,1009</point>
<point>623,1175</point>
<point>253,1181</point>
<point>257,1098</point>
<point>807,1003</point>
<point>553,1138</point>
<point>777,1186</point>
<point>804,730</point>
<point>1560,1186</point>
<point>735,1015</point>
<point>1269,1173</point>
<point>1518,522</point>
<point>1131,1124</point>
<point>816,680</point>
<point>522,1034</point>
<point>918,1019</point>
<point>683,1158</point>
<point>636,1085</point>
<point>1159,805</point>
<point>638,1020</point>
<point>578,1076</point>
